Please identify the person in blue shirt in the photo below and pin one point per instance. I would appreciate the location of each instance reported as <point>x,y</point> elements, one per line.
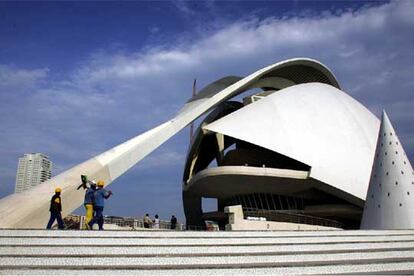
<point>89,200</point>
<point>100,195</point>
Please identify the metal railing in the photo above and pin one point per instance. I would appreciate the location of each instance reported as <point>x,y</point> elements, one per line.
<point>291,216</point>
<point>131,223</point>
<point>137,223</point>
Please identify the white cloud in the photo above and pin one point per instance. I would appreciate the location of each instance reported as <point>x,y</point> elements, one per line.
<point>184,7</point>
<point>348,35</point>
<point>114,96</point>
<point>17,80</point>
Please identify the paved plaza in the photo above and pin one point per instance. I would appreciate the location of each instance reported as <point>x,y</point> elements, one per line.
<point>205,253</point>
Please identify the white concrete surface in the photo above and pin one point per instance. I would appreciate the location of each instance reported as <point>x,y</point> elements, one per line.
<point>210,261</point>
<point>35,233</point>
<point>398,268</point>
<point>122,250</point>
<point>316,124</point>
<point>237,222</point>
<point>390,199</point>
<point>201,241</point>
<point>335,252</point>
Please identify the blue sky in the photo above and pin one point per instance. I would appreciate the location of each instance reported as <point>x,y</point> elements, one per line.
<point>77,78</point>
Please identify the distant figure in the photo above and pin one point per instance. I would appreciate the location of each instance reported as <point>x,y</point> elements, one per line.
<point>173,222</point>
<point>100,195</point>
<point>147,221</point>
<point>55,210</point>
<point>156,224</point>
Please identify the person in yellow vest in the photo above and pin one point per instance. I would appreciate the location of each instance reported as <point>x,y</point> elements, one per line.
<point>55,210</point>
<point>89,200</point>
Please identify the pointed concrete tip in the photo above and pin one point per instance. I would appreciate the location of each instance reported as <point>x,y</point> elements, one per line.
<point>384,115</point>
<point>385,120</point>
<point>388,203</point>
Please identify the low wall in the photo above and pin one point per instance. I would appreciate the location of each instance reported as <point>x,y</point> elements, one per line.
<point>237,222</point>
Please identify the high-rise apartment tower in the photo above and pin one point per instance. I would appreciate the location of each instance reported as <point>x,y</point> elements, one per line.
<point>33,169</point>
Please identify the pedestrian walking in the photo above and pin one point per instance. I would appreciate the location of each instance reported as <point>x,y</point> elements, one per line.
<point>173,222</point>
<point>89,199</point>
<point>156,224</point>
<point>55,210</point>
<point>147,221</point>
<point>89,203</point>
<point>100,195</point>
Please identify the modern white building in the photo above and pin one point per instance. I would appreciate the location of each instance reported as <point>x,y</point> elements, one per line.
<point>298,146</point>
<point>300,150</point>
<point>33,169</point>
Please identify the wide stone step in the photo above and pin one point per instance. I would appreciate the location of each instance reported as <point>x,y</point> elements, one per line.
<point>206,262</point>
<point>202,241</point>
<point>357,269</point>
<point>138,251</point>
<point>196,234</point>
<point>206,253</point>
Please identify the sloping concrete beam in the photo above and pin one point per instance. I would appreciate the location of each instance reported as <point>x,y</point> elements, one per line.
<point>30,209</point>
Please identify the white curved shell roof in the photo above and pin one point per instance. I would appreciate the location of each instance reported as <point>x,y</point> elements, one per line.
<point>316,124</point>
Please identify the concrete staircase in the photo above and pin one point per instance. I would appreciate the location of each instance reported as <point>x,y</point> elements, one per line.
<point>205,253</point>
